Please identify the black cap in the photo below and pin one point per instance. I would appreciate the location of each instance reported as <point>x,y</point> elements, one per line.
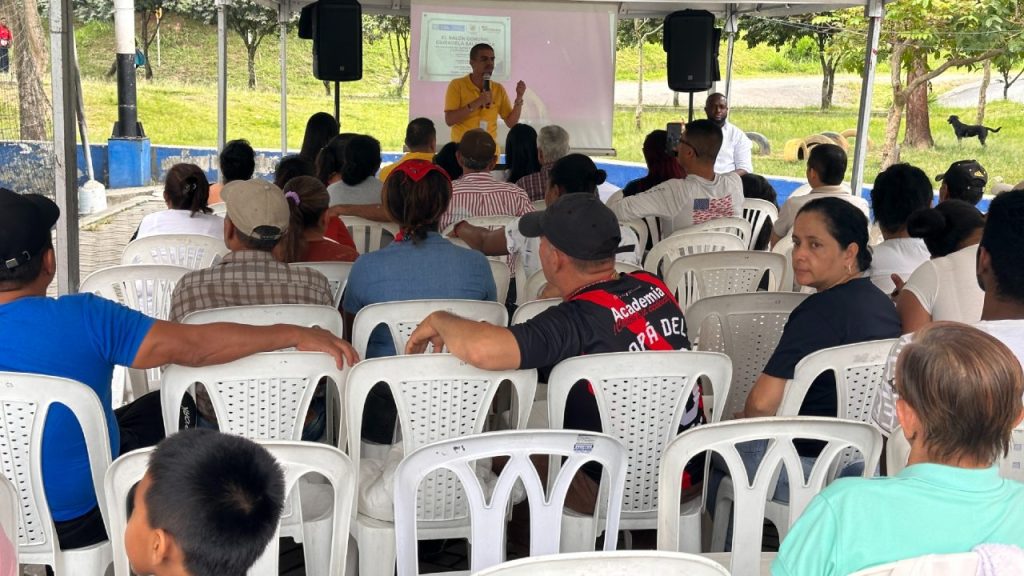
<point>25,224</point>
<point>965,175</point>
<point>578,224</point>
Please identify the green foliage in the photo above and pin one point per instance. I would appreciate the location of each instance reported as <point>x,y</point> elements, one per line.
<point>394,31</point>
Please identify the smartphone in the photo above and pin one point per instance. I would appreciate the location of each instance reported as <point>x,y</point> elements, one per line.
<point>675,132</point>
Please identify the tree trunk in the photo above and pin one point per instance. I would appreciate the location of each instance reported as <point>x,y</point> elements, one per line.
<point>828,80</point>
<point>250,51</point>
<point>675,99</point>
<point>890,152</point>
<point>144,26</point>
<point>28,57</point>
<point>638,116</point>
<point>919,131</point>
<point>983,91</point>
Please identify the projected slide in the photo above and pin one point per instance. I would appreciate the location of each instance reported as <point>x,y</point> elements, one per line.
<point>564,52</point>
<point>447,38</point>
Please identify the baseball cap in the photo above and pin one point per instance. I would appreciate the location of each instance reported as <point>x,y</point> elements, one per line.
<point>25,224</point>
<point>578,224</point>
<point>257,208</point>
<point>965,175</point>
<point>477,144</point>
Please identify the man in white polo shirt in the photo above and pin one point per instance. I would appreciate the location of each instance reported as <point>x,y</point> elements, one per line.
<point>735,153</point>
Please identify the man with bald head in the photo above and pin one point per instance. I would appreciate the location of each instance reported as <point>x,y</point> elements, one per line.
<point>735,153</point>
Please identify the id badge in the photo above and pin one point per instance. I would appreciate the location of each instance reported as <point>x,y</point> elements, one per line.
<point>483,125</point>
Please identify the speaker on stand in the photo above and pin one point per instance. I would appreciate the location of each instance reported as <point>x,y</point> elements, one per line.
<point>336,28</point>
<point>691,41</point>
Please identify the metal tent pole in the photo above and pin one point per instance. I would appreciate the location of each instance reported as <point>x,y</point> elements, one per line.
<point>283,12</point>
<point>65,169</point>
<point>222,72</point>
<point>731,20</point>
<point>873,12</point>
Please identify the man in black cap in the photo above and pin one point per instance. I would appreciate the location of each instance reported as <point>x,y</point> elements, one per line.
<point>82,337</point>
<point>963,180</point>
<point>601,311</point>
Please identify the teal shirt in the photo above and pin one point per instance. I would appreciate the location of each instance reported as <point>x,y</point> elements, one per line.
<point>857,523</point>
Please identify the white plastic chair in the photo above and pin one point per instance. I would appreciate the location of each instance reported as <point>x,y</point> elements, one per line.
<point>734,225</point>
<point>750,497</point>
<point>219,208</point>
<point>369,235</point>
<point>26,400</point>
<point>336,274</point>
<point>641,397</point>
<point>683,244</point>
<point>785,247</point>
<point>502,278</point>
<point>437,397</point>
<point>402,317</point>
<point>10,504</point>
<point>533,308</point>
<point>1011,466</point>
<point>488,512</point>
<point>306,315</point>
<point>537,281</point>
<point>489,222</point>
<point>758,212</point>
<point>639,227</point>
<point>193,251</point>
<point>539,204</point>
<point>297,459</point>
<point>963,563</point>
<point>744,327</point>
<point>719,273</point>
<point>646,562</point>
<point>509,262</point>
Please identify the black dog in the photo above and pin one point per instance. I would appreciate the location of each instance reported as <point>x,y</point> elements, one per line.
<point>970,130</point>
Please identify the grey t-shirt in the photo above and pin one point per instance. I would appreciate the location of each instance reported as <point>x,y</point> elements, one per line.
<point>366,192</point>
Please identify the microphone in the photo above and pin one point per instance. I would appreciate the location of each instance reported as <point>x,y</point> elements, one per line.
<point>487,82</point>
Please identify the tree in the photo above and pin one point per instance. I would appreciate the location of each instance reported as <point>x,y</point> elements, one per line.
<point>637,33</point>
<point>29,61</point>
<point>1005,63</point>
<point>251,21</point>
<point>983,92</point>
<point>395,30</point>
<point>827,30</point>
<point>147,22</point>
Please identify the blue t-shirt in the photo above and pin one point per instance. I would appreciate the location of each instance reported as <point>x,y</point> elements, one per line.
<point>403,270</point>
<point>80,337</point>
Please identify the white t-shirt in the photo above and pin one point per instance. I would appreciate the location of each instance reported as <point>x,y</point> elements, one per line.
<point>883,410</point>
<point>683,202</point>
<point>947,287</point>
<point>895,256</point>
<point>735,151</point>
<point>181,222</point>
<point>789,210</point>
<point>529,248</point>
<point>366,192</point>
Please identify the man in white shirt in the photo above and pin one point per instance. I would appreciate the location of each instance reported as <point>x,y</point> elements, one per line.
<point>1001,276</point>
<point>826,167</point>
<point>899,191</point>
<point>735,153</point>
<point>703,195</point>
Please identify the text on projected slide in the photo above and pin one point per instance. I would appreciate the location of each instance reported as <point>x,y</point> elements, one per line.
<point>446,40</point>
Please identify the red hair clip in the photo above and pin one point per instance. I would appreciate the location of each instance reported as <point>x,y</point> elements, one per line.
<point>416,170</point>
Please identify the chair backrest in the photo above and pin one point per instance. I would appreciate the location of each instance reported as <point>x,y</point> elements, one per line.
<point>683,244</point>
<point>10,506</point>
<point>193,251</point>
<point>488,512</point>
<point>307,315</point>
<point>931,565</point>
<point>1011,466</point>
<point>219,208</point>
<point>25,400</point>
<point>143,287</point>
<point>532,308</point>
<point>758,212</point>
<point>489,222</point>
<point>537,281</point>
<point>646,562</point>
<point>437,397</point>
<point>639,227</point>
<point>541,204</point>
<point>297,459</point>
<point>641,397</point>
<point>336,274</point>
<point>746,328</point>
<point>719,273</point>
<point>785,247</point>
<point>402,317</point>
<point>502,278</point>
<point>734,225</point>
<point>369,235</point>
<point>750,495</point>
<point>261,397</point>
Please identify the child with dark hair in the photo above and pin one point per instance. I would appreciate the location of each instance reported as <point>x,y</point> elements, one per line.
<point>331,158</point>
<point>358,184</point>
<point>208,506</point>
<point>899,191</point>
<point>445,158</point>
<point>292,166</point>
<point>237,161</point>
<point>305,239</point>
<point>186,192</point>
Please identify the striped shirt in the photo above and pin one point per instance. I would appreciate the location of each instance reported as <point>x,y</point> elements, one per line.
<point>479,194</point>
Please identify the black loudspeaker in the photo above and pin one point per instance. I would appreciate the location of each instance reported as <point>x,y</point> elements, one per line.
<point>691,41</point>
<point>337,30</point>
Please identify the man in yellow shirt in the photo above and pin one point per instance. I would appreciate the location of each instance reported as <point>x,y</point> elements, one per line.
<point>467,105</point>
<point>420,144</point>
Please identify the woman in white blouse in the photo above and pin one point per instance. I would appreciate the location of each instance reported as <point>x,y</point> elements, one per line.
<point>186,192</point>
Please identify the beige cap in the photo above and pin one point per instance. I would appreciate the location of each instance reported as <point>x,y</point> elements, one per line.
<point>256,208</point>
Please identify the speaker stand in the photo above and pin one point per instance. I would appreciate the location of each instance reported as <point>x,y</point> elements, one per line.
<point>691,106</point>
<point>337,102</point>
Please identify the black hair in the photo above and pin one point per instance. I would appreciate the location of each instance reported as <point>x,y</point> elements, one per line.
<point>706,138</point>
<point>521,152</point>
<point>304,213</point>
<point>361,159</point>
<point>332,157</point>
<point>186,188</point>
<point>292,166</point>
<point>445,158</point>
<point>945,226</point>
<point>1002,239</point>
<point>416,206</point>
<point>320,128</point>
<point>259,243</point>
<point>829,161</point>
<point>237,161</point>
<point>899,191</point>
<point>419,133</point>
<point>219,495</point>
<point>576,173</point>
<point>846,223</point>
<point>757,186</point>
<point>24,274</point>
<point>477,48</point>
